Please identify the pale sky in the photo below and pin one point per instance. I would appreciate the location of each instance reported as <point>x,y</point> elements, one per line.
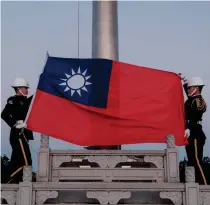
<point>172,36</point>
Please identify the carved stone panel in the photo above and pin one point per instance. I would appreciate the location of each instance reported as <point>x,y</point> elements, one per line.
<point>170,141</point>
<point>205,198</point>
<point>156,160</point>
<point>107,175</point>
<point>43,165</point>
<point>172,171</point>
<point>55,179</point>
<point>25,193</point>
<point>58,160</point>
<point>190,174</point>
<point>192,194</point>
<point>105,197</point>
<point>137,158</point>
<point>175,197</point>
<point>9,196</point>
<point>107,161</point>
<point>27,174</point>
<point>44,141</point>
<point>42,196</point>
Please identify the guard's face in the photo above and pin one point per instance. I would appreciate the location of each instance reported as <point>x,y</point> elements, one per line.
<point>191,90</point>
<point>23,90</point>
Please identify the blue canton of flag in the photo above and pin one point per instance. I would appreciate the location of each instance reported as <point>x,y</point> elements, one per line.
<point>84,81</point>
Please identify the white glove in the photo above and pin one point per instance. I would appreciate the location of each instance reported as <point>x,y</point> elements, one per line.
<point>20,124</point>
<point>187,133</point>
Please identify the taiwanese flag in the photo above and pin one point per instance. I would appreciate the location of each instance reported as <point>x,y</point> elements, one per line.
<point>104,102</point>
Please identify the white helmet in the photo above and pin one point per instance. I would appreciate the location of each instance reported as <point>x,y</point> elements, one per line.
<point>195,81</point>
<point>20,82</point>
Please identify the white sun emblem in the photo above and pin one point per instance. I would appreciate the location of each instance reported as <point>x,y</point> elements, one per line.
<point>76,82</point>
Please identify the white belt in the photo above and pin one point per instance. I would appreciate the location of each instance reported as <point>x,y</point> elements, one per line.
<point>198,122</point>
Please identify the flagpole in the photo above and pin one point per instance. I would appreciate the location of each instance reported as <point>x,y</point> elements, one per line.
<point>105,30</point>
<point>105,33</point>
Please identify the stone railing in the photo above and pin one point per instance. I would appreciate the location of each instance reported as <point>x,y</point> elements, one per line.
<point>9,193</point>
<point>204,194</point>
<point>20,194</point>
<point>37,193</point>
<point>108,165</point>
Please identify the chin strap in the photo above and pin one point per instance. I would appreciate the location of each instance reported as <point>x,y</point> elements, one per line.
<point>22,92</point>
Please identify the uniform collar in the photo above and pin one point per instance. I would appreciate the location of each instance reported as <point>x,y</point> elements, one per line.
<point>198,95</point>
<point>194,96</point>
<point>20,96</point>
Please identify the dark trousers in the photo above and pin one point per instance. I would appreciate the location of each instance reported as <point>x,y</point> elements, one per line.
<point>194,151</point>
<point>21,156</point>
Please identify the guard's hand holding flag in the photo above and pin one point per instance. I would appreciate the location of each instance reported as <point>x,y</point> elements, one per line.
<point>187,133</point>
<point>20,124</point>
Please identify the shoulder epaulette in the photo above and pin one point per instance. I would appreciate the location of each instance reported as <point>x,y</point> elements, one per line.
<point>200,103</point>
<point>10,100</point>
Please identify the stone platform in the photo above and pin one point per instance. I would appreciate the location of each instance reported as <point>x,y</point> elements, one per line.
<point>106,177</point>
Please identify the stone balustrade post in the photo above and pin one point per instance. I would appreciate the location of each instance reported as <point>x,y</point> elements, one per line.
<point>172,169</point>
<point>43,159</point>
<point>25,188</point>
<point>191,188</point>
